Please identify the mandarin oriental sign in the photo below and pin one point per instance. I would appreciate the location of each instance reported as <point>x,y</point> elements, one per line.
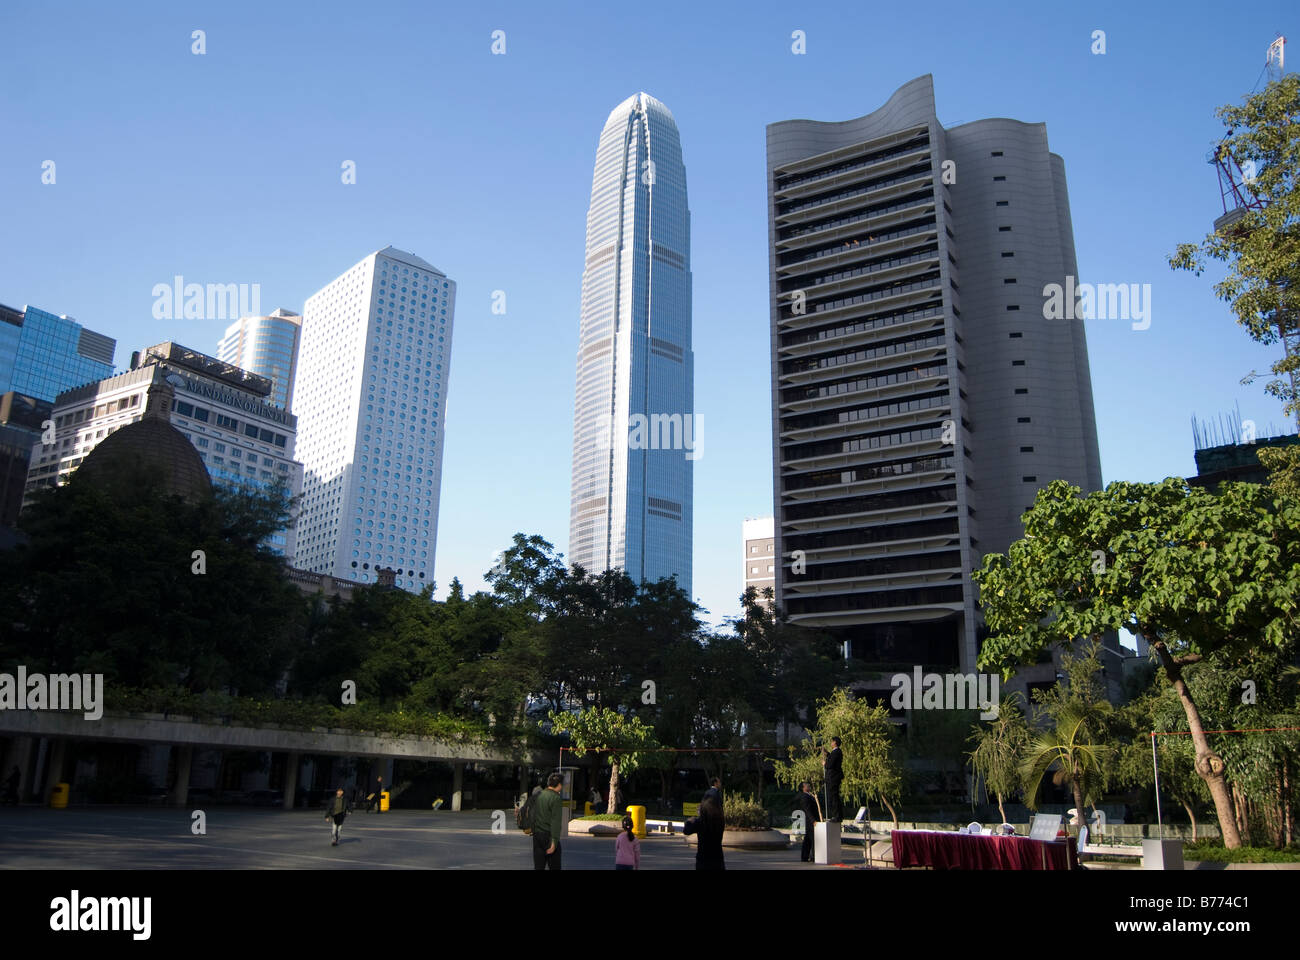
<point>233,399</point>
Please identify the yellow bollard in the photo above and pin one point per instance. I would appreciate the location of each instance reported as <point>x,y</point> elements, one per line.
<point>383,802</point>
<point>587,809</point>
<point>638,821</point>
<point>59,796</point>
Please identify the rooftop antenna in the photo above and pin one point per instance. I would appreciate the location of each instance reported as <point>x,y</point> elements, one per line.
<point>1275,59</point>
<point>1239,195</point>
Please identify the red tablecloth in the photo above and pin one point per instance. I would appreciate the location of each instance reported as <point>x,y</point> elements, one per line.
<point>961,851</point>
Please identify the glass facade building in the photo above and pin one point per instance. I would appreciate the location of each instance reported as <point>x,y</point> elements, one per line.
<point>268,346</point>
<point>42,355</point>
<point>635,435</point>
<point>371,399</point>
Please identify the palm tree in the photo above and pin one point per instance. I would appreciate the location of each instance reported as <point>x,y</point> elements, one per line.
<point>1069,751</point>
<point>999,749</point>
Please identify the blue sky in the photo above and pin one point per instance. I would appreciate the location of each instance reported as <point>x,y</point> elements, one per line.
<point>225,168</point>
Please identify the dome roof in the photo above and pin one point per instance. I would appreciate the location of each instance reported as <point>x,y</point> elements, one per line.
<point>151,444</point>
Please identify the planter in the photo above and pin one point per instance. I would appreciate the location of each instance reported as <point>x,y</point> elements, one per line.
<point>594,828</point>
<point>750,839</point>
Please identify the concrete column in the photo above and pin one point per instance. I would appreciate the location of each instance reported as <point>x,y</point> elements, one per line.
<point>457,784</point>
<point>290,779</point>
<point>181,792</point>
<point>19,755</point>
<point>58,750</point>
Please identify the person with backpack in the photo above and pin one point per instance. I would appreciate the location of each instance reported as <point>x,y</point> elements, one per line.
<point>627,849</point>
<point>338,812</point>
<point>545,820</point>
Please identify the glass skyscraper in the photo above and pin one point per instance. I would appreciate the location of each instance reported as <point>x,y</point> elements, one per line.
<point>635,435</point>
<point>267,346</point>
<point>42,355</point>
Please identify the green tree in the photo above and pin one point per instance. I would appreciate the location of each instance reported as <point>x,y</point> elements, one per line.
<point>1193,572</point>
<point>872,767</point>
<point>1070,751</point>
<point>1262,249</point>
<point>600,730</point>
<point>121,577</point>
<point>1000,747</point>
<point>1283,466</point>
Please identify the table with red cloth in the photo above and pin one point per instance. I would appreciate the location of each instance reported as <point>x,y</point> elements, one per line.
<point>963,851</point>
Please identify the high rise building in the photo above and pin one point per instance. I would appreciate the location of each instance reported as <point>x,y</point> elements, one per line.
<point>42,355</point>
<point>220,409</point>
<point>371,399</point>
<point>920,398</point>
<point>635,435</point>
<point>760,554</point>
<point>267,346</point>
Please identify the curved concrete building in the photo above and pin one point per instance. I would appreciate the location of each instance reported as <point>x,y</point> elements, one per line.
<point>920,398</point>
<point>635,436</point>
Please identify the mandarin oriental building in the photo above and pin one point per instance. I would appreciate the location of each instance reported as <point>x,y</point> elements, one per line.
<point>222,410</point>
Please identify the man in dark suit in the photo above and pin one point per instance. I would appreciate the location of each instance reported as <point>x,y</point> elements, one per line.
<point>834,764</point>
<point>379,796</point>
<point>806,801</point>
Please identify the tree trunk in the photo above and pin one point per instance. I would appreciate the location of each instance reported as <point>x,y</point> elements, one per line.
<point>892,813</point>
<point>613,784</point>
<point>1001,809</point>
<point>1242,806</point>
<point>1080,815</point>
<point>1191,815</point>
<point>1209,765</point>
<point>1288,822</point>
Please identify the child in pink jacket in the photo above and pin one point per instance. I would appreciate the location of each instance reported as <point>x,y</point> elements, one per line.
<point>627,849</point>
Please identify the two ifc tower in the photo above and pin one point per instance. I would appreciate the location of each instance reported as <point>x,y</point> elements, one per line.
<point>919,397</point>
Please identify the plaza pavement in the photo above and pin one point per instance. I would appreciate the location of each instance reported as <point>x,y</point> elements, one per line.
<point>159,838</point>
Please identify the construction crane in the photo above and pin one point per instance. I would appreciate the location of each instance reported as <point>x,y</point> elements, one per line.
<point>1239,196</point>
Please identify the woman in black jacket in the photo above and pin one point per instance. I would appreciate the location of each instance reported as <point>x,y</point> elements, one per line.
<point>709,825</point>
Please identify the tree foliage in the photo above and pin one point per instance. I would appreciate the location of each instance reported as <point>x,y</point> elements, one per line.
<point>1194,573</point>
<point>872,766</point>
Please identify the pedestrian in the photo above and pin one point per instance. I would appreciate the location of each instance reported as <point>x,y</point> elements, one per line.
<point>627,849</point>
<point>338,812</point>
<point>379,796</point>
<point>715,791</point>
<point>806,801</point>
<point>709,827</point>
<point>834,764</point>
<point>594,799</point>
<point>548,821</point>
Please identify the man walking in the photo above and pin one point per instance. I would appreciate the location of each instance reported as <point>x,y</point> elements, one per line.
<point>715,791</point>
<point>338,812</point>
<point>379,797</point>
<point>807,802</point>
<point>548,821</point>
<point>834,764</point>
